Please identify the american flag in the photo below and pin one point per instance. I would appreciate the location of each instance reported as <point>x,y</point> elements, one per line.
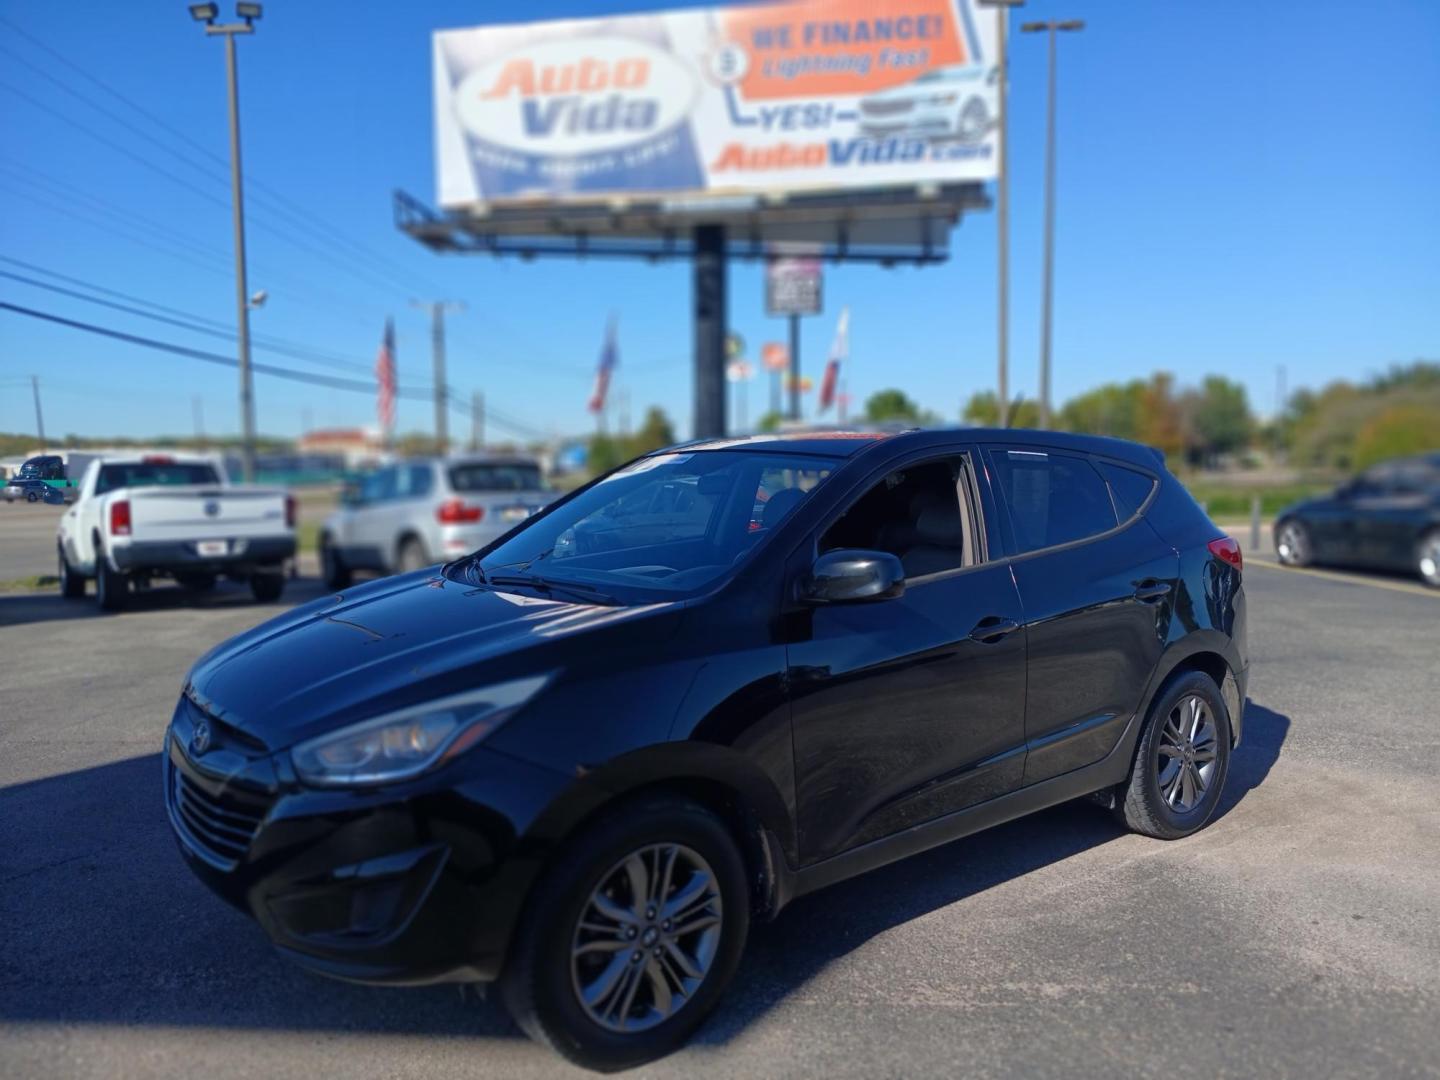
<point>838,351</point>
<point>609,358</point>
<point>385,375</point>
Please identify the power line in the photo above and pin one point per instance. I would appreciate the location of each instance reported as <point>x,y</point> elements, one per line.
<point>327,381</point>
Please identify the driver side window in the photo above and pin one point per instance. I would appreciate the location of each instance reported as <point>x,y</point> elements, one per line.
<point>922,514</point>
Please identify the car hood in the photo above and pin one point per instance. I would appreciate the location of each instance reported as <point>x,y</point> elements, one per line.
<point>387,645</point>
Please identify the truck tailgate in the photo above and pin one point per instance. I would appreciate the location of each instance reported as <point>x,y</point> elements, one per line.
<point>198,512</point>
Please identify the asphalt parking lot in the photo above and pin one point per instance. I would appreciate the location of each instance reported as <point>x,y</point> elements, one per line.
<point>1299,935</point>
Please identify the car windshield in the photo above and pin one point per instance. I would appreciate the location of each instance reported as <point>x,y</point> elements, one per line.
<point>660,528</point>
<point>495,476</point>
<point>153,474</point>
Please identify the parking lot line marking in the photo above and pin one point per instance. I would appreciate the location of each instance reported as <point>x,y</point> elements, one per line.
<point>1349,579</point>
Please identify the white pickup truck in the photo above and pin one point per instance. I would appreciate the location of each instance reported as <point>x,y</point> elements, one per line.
<point>160,515</point>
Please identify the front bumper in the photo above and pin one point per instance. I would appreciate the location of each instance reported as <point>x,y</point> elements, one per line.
<point>184,556</point>
<point>415,883</point>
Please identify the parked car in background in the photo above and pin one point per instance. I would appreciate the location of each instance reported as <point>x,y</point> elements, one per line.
<point>143,516</point>
<point>420,512</point>
<point>1387,518</point>
<point>583,768</point>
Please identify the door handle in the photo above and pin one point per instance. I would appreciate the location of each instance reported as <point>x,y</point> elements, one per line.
<point>1151,591</point>
<point>993,629</point>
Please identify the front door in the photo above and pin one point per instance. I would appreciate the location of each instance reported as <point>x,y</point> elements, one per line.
<point>905,710</point>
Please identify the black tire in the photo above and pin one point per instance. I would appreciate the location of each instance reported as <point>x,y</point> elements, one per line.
<point>539,987</point>
<point>1427,558</point>
<point>332,568</point>
<point>1292,543</point>
<point>72,585</point>
<point>31,496</point>
<point>196,582</point>
<point>266,586</point>
<point>1147,804</point>
<point>411,556</point>
<point>112,589</point>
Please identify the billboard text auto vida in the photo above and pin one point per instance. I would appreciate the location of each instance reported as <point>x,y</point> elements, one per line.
<point>795,97</point>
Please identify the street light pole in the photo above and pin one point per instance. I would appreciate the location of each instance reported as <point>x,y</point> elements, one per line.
<point>437,309</point>
<point>1002,210</point>
<point>1048,290</point>
<point>207,14</point>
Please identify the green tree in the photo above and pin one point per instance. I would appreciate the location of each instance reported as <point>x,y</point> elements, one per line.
<point>1220,419</point>
<point>605,453</point>
<point>983,410</point>
<point>1396,432</point>
<point>1110,409</point>
<point>890,404</point>
<point>770,421</point>
<point>655,432</point>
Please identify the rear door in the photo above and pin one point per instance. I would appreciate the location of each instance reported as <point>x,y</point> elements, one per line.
<point>908,709</point>
<point>1096,585</point>
<point>1387,513</point>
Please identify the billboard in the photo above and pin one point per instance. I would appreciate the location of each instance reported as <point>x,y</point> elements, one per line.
<point>814,96</point>
<point>792,286</point>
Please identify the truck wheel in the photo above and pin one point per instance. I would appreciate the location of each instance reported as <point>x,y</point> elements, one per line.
<point>30,496</point>
<point>267,587</point>
<point>72,585</point>
<point>112,589</point>
<point>336,574</point>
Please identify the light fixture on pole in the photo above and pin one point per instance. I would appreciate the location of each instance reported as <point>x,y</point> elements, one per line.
<point>1002,210</point>
<point>207,14</point>
<point>1050,27</point>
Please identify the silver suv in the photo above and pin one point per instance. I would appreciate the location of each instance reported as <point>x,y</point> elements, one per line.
<point>416,513</point>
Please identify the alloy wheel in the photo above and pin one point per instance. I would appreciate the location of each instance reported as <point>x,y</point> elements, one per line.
<point>646,938</point>
<point>1292,545</point>
<point>1187,756</point>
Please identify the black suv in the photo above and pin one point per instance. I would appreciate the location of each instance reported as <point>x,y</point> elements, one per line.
<point>584,758</point>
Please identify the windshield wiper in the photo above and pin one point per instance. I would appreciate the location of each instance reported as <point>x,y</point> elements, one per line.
<point>550,585</point>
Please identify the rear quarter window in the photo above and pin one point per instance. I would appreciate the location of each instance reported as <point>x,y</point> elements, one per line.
<point>1130,488</point>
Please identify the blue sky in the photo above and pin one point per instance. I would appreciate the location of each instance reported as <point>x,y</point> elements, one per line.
<point>1242,185</point>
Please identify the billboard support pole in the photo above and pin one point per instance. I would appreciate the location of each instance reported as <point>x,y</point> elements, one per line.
<point>710,312</point>
<point>794,366</point>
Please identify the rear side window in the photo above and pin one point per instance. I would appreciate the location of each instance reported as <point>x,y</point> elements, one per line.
<point>147,474</point>
<point>1052,498</point>
<point>1129,487</point>
<point>499,476</point>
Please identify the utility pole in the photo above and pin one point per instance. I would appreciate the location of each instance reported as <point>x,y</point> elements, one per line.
<point>1050,27</point>
<point>794,367</point>
<point>39,419</point>
<point>437,309</point>
<point>1002,210</point>
<point>477,420</point>
<point>207,14</point>
<point>198,409</point>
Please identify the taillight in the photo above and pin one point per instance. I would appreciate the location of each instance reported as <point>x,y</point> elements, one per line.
<point>455,512</point>
<point>289,511</point>
<point>1227,550</point>
<point>120,518</point>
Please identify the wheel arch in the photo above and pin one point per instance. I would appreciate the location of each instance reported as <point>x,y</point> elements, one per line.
<point>406,535</point>
<point>1204,652</point>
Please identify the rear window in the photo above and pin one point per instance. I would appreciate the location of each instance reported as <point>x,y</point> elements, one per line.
<point>497,476</point>
<point>152,474</point>
<point>1053,499</point>
<point>1129,488</point>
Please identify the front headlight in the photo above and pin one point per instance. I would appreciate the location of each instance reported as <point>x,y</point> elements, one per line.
<point>406,743</point>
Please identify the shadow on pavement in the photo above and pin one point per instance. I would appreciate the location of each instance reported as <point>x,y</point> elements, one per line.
<point>105,924</point>
<point>18,609</point>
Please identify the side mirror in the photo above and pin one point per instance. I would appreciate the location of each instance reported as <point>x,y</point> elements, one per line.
<point>853,576</point>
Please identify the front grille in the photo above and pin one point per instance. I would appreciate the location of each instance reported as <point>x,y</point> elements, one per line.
<point>217,829</point>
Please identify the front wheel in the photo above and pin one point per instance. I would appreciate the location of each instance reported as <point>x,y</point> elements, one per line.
<point>1181,762</point>
<point>31,496</point>
<point>1428,558</point>
<point>631,937</point>
<point>1292,544</point>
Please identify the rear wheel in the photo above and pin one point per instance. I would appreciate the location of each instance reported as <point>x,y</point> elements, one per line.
<point>631,937</point>
<point>336,574</point>
<point>1428,558</point>
<point>411,556</point>
<point>112,588</point>
<point>72,585</point>
<point>267,586</point>
<point>31,496</point>
<point>1292,544</point>
<point>1181,762</point>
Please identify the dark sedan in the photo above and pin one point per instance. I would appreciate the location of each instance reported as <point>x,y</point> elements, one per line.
<point>581,760</point>
<point>1387,518</point>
